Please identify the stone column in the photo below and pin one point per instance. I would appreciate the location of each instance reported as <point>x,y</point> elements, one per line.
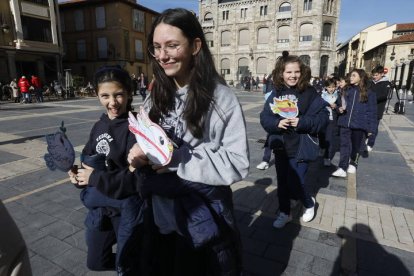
<point>11,63</point>
<point>41,69</point>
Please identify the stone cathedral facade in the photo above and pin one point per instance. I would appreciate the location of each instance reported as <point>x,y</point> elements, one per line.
<point>247,36</point>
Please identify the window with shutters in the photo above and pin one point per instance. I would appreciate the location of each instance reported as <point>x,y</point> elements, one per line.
<point>285,7</point>
<point>305,33</point>
<point>209,39</point>
<point>225,38</point>
<point>225,66</point>
<point>263,36</point>
<point>283,34</point>
<point>79,26</point>
<point>326,32</point>
<point>244,37</point>
<point>100,17</point>
<point>102,47</point>
<point>261,67</point>
<point>81,49</point>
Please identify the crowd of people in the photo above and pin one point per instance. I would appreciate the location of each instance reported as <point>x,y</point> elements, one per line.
<point>172,220</point>
<point>346,121</point>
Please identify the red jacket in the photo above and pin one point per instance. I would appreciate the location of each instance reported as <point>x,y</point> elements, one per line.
<point>24,85</point>
<point>36,82</point>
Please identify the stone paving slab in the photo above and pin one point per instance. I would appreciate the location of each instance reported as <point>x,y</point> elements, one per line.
<point>333,213</point>
<point>52,215</point>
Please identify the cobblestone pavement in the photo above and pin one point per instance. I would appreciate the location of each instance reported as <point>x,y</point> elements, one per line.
<point>364,223</point>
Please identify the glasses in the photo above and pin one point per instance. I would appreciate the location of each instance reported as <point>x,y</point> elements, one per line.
<point>169,49</point>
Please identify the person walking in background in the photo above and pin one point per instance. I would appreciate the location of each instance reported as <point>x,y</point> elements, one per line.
<point>135,85</point>
<point>264,81</point>
<point>24,86</point>
<point>356,119</point>
<point>381,87</point>
<point>38,89</point>
<point>15,90</point>
<point>257,82</point>
<point>291,81</point>
<point>331,135</point>
<point>143,84</point>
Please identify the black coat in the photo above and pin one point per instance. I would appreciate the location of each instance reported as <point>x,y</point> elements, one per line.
<point>382,90</point>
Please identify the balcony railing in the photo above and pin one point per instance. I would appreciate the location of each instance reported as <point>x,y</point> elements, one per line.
<point>208,23</point>
<point>326,44</point>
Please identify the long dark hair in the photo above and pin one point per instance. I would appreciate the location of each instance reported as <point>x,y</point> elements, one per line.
<point>203,75</point>
<point>115,74</point>
<point>362,85</point>
<point>305,75</point>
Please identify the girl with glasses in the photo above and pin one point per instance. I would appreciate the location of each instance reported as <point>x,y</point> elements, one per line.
<point>194,230</point>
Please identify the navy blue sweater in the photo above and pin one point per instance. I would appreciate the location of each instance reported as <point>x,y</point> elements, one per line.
<point>313,118</point>
<point>359,115</point>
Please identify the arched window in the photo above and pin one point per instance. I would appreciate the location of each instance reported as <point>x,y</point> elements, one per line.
<point>263,36</point>
<point>326,32</point>
<point>208,16</point>
<point>244,37</point>
<point>305,33</point>
<point>285,7</point>
<point>261,67</point>
<point>323,71</point>
<point>305,59</point>
<point>225,38</point>
<point>225,66</point>
<point>307,5</point>
<point>283,34</point>
<point>209,39</point>
<point>243,66</point>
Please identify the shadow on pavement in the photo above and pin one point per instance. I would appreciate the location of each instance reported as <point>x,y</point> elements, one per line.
<point>266,250</point>
<point>360,257</point>
<point>318,176</point>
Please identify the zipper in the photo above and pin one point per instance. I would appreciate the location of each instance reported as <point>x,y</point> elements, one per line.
<point>352,108</point>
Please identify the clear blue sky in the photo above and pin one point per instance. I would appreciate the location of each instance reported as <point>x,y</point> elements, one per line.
<point>355,14</point>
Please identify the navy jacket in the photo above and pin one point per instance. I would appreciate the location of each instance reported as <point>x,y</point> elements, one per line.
<point>359,115</point>
<point>313,118</point>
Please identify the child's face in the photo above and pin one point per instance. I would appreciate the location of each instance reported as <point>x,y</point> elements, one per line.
<point>330,88</point>
<point>113,98</point>
<point>355,78</point>
<point>291,74</point>
<point>341,83</point>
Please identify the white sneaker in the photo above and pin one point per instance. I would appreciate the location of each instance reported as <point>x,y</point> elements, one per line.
<point>327,162</point>
<point>339,173</point>
<point>309,213</point>
<point>263,165</point>
<point>281,220</point>
<point>369,149</point>
<point>351,169</point>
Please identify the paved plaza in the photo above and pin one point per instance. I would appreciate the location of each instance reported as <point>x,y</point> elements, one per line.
<point>364,223</point>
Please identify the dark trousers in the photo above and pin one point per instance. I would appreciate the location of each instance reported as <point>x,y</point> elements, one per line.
<point>373,136</point>
<point>291,182</point>
<point>331,140</point>
<point>176,257</point>
<point>100,256</point>
<point>351,141</point>
<point>143,93</point>
<point>267,154</point>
